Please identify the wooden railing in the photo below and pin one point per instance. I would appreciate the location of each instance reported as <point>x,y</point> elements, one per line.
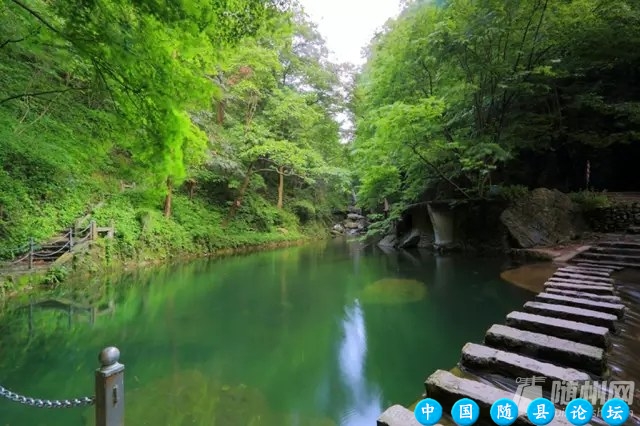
<point>31,254</point>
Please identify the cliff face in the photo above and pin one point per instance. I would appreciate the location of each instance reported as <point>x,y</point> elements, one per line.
<point>543,217</point>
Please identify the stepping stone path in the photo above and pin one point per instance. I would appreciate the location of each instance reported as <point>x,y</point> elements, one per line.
<point>563,334</point>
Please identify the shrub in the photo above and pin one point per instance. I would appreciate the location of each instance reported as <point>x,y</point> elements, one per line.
<point>590,200</point>
<point>510,193</point>
<point>304,210</point>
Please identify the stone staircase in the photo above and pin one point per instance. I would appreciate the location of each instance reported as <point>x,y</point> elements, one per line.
<point>621,250</point>
<point>564,334</point>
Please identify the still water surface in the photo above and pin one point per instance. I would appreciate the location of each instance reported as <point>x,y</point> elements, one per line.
<point>324,334</point>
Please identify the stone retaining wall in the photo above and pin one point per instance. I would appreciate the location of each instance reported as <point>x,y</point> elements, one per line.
<point>616,218</point>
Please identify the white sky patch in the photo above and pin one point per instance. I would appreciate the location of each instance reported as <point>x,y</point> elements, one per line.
<point>349,25</point>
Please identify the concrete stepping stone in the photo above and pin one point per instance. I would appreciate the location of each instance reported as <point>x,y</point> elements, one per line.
<point>508,364</point>
<point>579,282</point>
<point>622,265</point>
<point>619,244</point>
<point>447,389</point>
<point>616,250</point>
<point>584,271</point>
<point>583,277</point>
<point>598,264</point>
<point>397,415</point>
<point>570,313</point>
<point>583,295</point>
<point>548,348</point>
<point>610,257</point>
<point>564,329</point>
<point>616,309</point>
<point>596,289</point>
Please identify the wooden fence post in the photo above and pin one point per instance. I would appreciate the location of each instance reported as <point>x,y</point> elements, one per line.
<point>31,253</point>
<point>70,238</point>
<point>110,389</point>
<point>93,230</point>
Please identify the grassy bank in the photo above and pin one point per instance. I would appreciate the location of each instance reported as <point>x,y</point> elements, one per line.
<point>84,266</point>
<point>138,135</point>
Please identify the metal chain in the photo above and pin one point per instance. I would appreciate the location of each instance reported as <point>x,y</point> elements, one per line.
<point>46,403</point>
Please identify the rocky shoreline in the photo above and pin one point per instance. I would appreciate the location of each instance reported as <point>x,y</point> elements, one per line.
<point>350,223</point>
<point>536,225</point>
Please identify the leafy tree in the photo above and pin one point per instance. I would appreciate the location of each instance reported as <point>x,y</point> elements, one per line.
<point>455,95</point>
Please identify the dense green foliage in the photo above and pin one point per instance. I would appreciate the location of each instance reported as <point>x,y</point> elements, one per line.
<point>462,95</point>
<point>191,125</point>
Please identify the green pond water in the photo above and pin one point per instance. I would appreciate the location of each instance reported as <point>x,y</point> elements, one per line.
<point>323,334</point>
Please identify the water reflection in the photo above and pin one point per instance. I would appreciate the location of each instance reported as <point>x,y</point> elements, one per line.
<point>364,398</point>
<point>274,336</point>
<point>443,271</point>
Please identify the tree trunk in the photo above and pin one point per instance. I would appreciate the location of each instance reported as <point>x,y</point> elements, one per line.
<point>191,185</point>
<point>167,200</point>
<point>238,201</point>
<point>280,186</point>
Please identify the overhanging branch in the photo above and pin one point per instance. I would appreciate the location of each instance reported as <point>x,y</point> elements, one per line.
<point>37,16</point>
<point>434,167</point>
<point>45,92</point>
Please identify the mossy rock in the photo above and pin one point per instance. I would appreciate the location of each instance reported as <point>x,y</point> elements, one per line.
<point>393,291</point>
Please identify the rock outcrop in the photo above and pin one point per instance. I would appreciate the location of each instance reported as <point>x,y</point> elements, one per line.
<point>353,223</point>
<point>543,217</point>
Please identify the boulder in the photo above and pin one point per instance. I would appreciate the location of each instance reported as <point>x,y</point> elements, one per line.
<point>410,240</point>
<point>338,228</point>
<point>349,224</point>
<point>353,209</point>
<point>543,217</point>
<point>355,216</point>
<point>388,241</point>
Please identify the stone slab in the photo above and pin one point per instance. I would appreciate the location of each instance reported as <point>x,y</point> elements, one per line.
<point>548,348</point>
<point>570,330</point>
<point>571,313</point>
<point>583,277</point>
<point>610,257</point>
<point>397,415</point>
<point>508,364</point>
<point>584,271</point>
<point>598,264</point>
<point>447,389</point>
<point>595,289</point>
<point>617,250</point>
<point>616,309</point>
<point>621,265</point>
<point>607,269</point>
<point>583,295</point>
<point>579,282</point>
<point>619,244</point>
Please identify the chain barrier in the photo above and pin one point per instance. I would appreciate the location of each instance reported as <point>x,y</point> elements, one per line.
<point>47,403</point>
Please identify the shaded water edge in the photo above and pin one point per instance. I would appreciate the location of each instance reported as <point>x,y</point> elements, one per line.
<point>137,313</point>
<point>623,356</point>
<point>84,267</point>
<point>623,361</point>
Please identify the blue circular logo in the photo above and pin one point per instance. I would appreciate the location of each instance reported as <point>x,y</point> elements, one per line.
<point>541,411</point>
<point>579,412</point>
<point>504,412</point>
<point>465,412</point>
<point>615,412</point>
<point>428,412</point>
